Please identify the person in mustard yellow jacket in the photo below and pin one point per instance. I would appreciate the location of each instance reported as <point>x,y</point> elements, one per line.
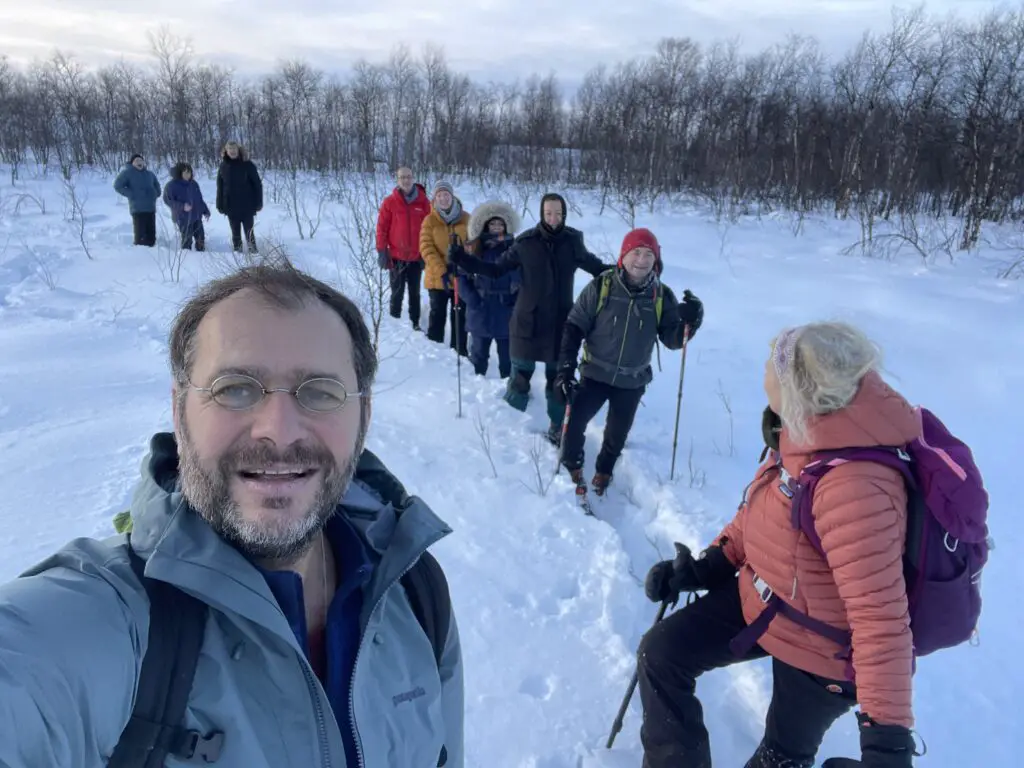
<point>445,219</point>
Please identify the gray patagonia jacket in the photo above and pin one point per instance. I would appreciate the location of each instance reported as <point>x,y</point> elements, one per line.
<point>74,629</point>
<point>619,339</point>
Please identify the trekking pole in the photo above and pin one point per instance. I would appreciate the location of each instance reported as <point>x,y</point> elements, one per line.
<point>679,400</point>
<point>617,725</point>
<point>565,428</point>
<point>458,352</point>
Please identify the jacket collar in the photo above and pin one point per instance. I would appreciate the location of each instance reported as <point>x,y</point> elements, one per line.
<point>182,549</point>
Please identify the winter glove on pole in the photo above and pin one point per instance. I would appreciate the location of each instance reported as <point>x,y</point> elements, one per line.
<point>455,249</point>
<point>881,746</point>
<point>565,384</point>
<point>668,578</point>
<point>691,311</point>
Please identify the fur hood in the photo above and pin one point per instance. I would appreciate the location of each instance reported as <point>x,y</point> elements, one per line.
<point>489,210</point>
<point>243,153</point>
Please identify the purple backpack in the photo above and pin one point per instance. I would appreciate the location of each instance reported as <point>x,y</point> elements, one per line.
<point>947,541</point>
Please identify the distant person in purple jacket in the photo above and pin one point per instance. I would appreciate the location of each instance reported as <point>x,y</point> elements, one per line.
<point>183,196</point>
<point>490,300</point>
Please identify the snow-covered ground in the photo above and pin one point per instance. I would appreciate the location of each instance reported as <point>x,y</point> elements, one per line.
<point>550,603</point>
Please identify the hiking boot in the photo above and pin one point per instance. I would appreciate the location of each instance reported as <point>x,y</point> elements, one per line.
<point>577,476</point>
<point>600,483</point>
<point>554,435</point>
<point>769,757</point>
<point>416,327</point>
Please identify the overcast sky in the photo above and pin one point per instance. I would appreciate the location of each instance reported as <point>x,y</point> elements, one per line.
<point>488,39</point>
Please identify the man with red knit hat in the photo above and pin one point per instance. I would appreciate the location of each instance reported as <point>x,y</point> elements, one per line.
<point>618,318</point>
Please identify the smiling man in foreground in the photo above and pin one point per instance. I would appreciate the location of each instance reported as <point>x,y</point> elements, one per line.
<point>273,545</point>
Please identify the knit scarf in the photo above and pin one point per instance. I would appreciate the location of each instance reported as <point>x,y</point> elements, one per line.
<point>452,215</point>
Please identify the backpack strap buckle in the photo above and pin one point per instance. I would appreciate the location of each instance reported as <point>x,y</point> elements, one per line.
<point>764,591</point>
<point>201,749</point>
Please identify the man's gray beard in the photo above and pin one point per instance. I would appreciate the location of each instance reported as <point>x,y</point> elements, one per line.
<point>209,494</point>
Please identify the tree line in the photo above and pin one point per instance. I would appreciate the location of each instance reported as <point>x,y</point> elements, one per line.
<point>924,118</point>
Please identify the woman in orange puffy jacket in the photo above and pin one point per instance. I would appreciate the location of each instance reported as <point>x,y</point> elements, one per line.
<point>824,392</point>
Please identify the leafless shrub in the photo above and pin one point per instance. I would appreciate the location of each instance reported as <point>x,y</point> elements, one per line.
<point>484,434</point>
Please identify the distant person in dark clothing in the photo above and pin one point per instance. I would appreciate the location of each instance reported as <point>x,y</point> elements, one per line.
<point>140,186</point>
<point>239,194</point>
<point>547,257</point>
<point>183,196</point>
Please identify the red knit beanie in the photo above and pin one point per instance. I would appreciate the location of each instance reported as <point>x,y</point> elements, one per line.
<point>642,238</point>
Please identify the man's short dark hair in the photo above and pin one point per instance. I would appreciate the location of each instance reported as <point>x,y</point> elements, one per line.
<point>279,282</point>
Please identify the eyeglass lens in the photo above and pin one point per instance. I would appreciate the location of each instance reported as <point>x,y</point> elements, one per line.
<point>238,392</point>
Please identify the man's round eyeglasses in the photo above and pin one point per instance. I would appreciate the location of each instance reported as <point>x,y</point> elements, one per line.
<point>238,392</point>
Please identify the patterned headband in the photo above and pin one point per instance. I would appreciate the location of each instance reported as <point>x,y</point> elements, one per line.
<point>784,350</point>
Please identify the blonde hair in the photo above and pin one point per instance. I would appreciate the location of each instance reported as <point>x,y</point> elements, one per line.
<point>824,374</point>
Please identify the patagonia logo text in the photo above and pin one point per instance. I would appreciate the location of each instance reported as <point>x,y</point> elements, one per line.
<point>415,693</point>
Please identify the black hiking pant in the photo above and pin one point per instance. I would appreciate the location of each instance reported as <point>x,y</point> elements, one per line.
<point>590,397</point>
<point>695,639</point>
<point>444,310</point>
<point>144,229</point>
<point>238,224</point>
<point>406,276</point>
<point>480,354</point>
<point>193,231</point>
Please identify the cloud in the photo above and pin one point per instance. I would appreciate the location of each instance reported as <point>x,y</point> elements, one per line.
<point>497,40</point>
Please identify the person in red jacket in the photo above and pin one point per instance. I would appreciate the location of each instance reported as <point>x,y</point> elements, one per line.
<point>398,242</point>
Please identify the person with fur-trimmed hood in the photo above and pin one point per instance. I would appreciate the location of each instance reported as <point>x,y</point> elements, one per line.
<point>547,257</point>
<point>239,194</point>
<point>619,317</point>
<point>185,199</point>
<point>446,218</point>
<point>490,300</point>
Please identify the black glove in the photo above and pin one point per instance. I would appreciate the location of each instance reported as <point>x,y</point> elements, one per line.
<point>383,260</point>
<point>668,578</point>
<point>456,252</point>
<point>565,384</point>
<point>881,746</point>
<point>691,312</point>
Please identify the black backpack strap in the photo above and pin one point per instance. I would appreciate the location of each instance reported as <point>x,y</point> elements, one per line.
<point>177,622</point>
<point>427,589</point>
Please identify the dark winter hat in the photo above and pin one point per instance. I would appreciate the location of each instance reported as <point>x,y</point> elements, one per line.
<point>641,238</point>
<point>136,155</point>
<point>553,196</point>
<point>444,186</point>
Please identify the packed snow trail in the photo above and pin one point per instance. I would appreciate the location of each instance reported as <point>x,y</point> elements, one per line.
<point>549,602</point>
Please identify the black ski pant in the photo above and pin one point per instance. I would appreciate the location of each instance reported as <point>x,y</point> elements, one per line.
<point>238,224</point>
<point>144,228</point>
<point>480,354</point>
<point>406,276</point>
<point>444,310</point>
<point>590,397</point>
<point>193,231</point>
<point>695,639</point>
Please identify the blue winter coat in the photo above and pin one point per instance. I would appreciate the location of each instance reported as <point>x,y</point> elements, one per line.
<point>140,187</point>
<point>178,192</point>
<point>489,300</point>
